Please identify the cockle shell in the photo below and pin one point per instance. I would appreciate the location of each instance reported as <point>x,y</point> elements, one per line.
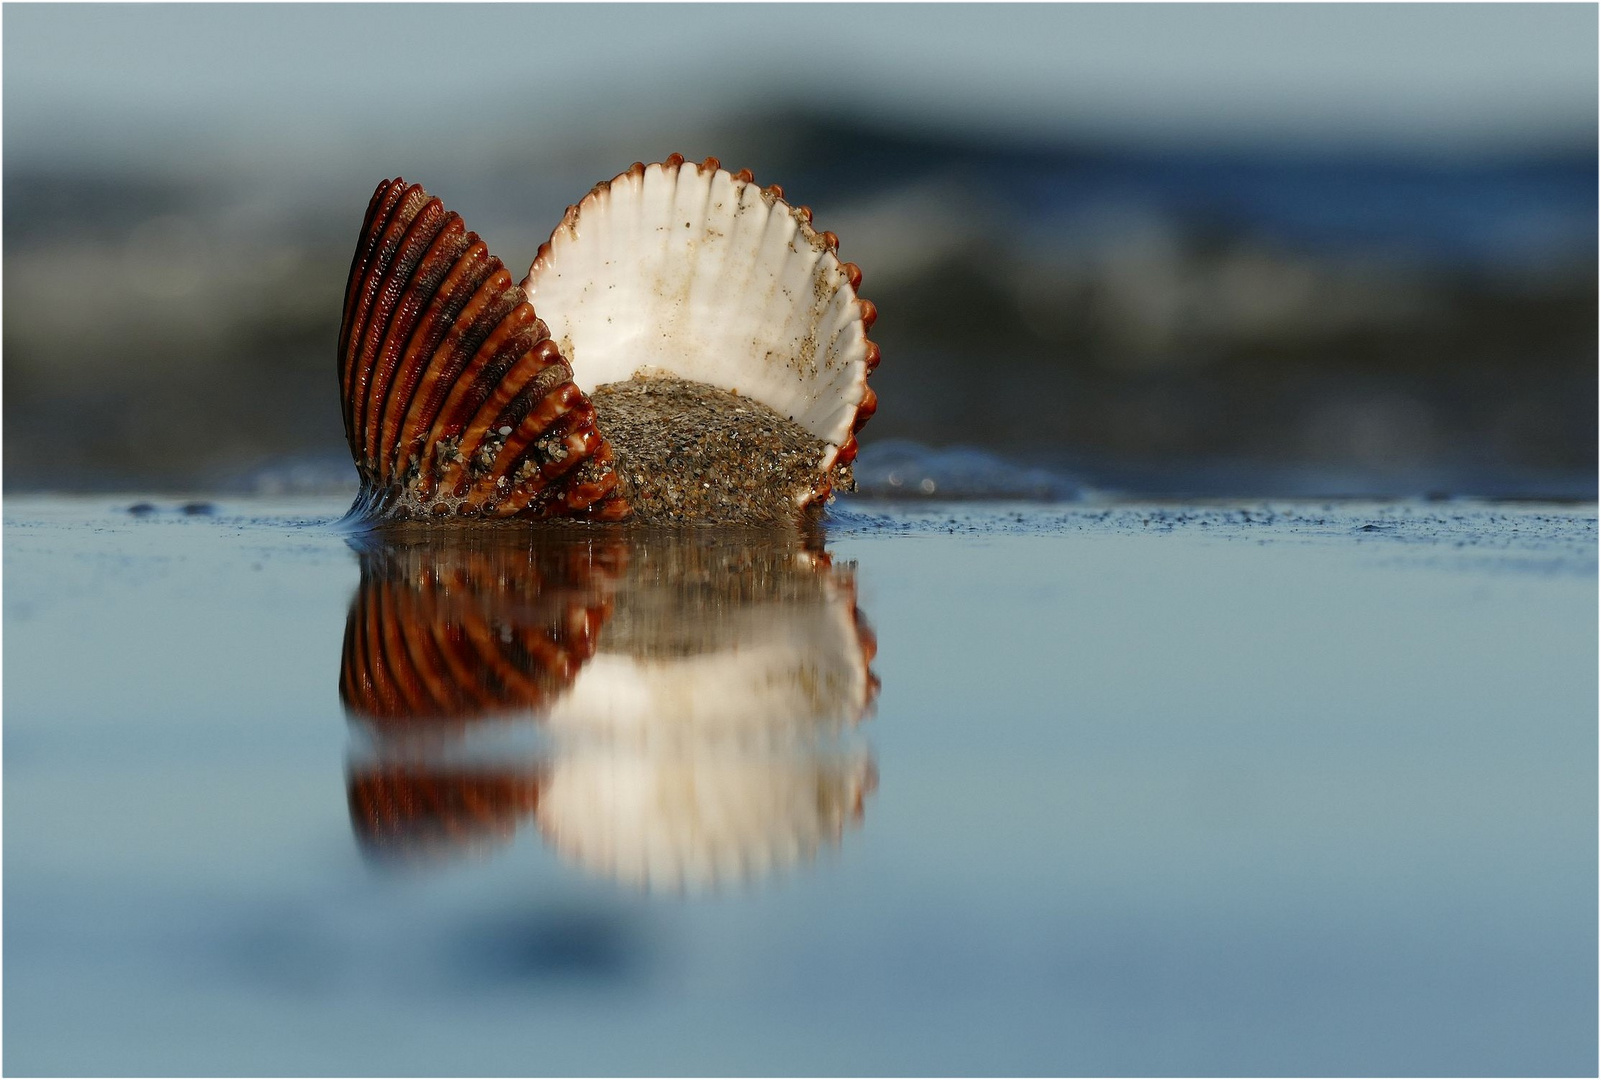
<point>456,402</point>
<point>460,403</point>
<point>690,270</point>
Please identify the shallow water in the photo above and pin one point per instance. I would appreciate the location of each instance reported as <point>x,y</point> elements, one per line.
<point>1001,789</point>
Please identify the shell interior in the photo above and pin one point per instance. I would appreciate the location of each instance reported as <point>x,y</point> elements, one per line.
<point>688,270</point>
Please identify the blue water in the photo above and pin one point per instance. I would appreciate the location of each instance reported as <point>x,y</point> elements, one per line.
<point>1275,789</point>
<point>1438,213</point>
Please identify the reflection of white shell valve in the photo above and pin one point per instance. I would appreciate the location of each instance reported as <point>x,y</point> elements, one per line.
<point>671,821</point>
<point>780,668</point>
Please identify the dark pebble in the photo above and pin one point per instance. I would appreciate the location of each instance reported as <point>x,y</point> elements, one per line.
<point>142,509</point>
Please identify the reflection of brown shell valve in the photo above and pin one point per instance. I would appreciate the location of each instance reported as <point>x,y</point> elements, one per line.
<point>399,811</point>
<point>451,634</point>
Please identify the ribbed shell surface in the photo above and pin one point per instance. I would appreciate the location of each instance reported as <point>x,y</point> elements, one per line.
<point>456,402</point>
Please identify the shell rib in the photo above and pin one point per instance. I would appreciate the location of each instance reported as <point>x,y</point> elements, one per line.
<point>690,270</point>
<point>456,402</point>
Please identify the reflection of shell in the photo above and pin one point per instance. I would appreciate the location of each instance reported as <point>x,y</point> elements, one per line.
<point>707,640</point>
<point>684,822</point>
<point>402,812</point>
<point>449,633</point>
<point>455,400</point>
<point>643,655</point>
<point>690,270</point>
<point>751,632</point>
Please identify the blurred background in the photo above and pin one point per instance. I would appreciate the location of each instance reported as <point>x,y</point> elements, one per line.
<point>1162,250</point>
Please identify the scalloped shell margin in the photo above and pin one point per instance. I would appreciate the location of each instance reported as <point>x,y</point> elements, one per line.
<point>794,338</point>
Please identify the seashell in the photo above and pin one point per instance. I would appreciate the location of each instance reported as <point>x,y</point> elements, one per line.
<point>688,270</point>
<point>456,402</point>
<point>460,402</point>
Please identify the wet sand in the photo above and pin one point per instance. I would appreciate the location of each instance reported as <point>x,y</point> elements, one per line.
<point>686,451</point>
<point>1278,788</point>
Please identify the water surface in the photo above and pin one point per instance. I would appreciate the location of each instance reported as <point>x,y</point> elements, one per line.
<point>1011,789</point>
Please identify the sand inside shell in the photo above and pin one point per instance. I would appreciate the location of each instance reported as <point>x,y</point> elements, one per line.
<point>687,451</point>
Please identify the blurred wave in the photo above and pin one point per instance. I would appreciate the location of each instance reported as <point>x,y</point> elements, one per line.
<point>1144,309</point>
<point>902,469</point>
